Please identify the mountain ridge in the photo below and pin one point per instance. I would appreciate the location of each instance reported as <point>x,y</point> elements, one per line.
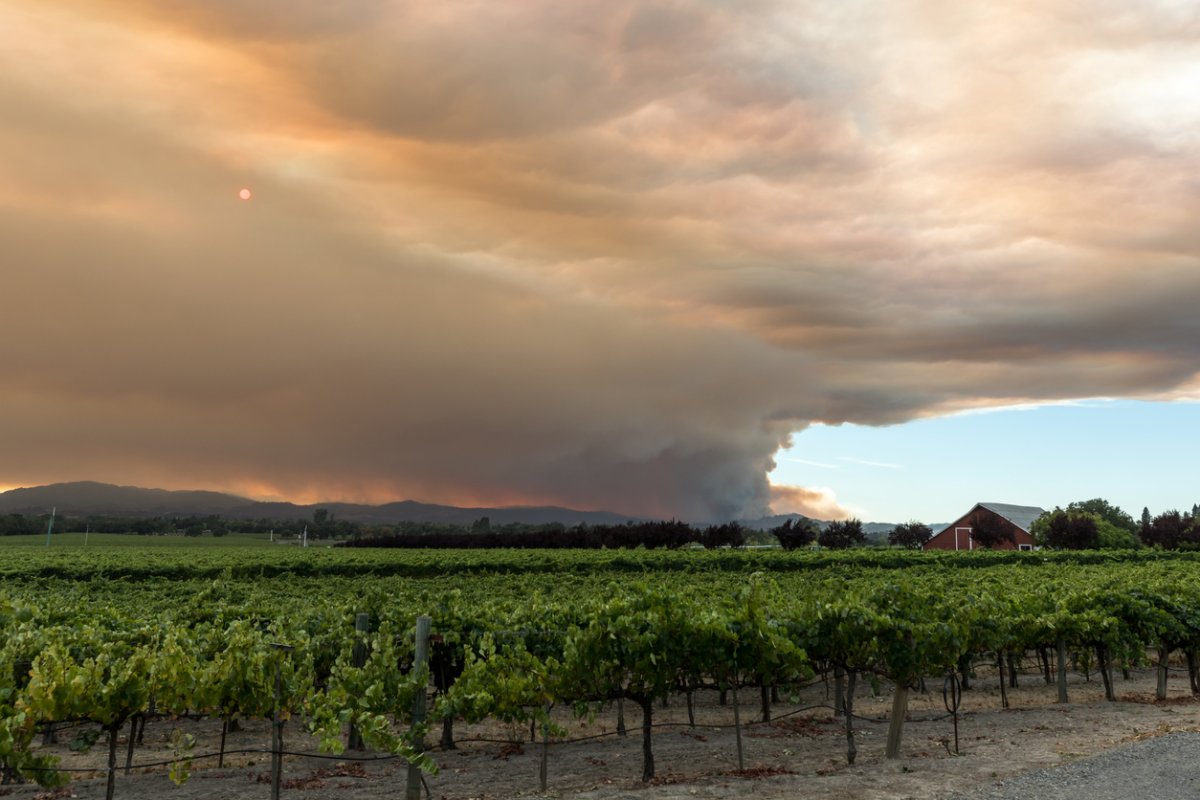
<point>83,498</point>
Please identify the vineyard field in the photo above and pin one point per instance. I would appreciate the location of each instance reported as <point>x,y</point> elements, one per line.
<point>106,638</point>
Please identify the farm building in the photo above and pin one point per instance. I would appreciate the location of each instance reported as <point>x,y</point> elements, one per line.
<point>1018,519</point>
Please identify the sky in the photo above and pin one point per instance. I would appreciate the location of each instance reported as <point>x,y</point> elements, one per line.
<point>1136,455</point>
<point>649,257</point>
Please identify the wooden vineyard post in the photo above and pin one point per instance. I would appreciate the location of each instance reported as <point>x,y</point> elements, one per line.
<point>848,710</point>
<point>420,660</point>
<point>1000,669</point>
<point>277,726</point>
<point>839,690</point>
<point>543,767</point>
<point>358,658</point>
<point>899,705</point>
<point>896,724</point>
<point>1062,669</point>
<point>1106,677</point>
<point>737,725</point>
<point>276,741</point>
<point>1160,690</point>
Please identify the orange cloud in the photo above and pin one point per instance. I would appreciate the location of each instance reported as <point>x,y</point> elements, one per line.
<point>815,502</point>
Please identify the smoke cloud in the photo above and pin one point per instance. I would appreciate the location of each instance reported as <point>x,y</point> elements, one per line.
<point>597,254</point>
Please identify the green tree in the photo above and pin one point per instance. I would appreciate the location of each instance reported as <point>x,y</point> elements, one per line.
<point>911,534</point>
<point>795,533</point>
<point>990,531</point>
<point>15,524</point>
<point>1066,530</point>
<point>1106,511</point>
<point>1170,530</point>
<point>1110,537</point>
<point>841,534</point>
<point>323,525</point>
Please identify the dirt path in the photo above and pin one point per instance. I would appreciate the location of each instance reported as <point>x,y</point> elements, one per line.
<point>800,754</point>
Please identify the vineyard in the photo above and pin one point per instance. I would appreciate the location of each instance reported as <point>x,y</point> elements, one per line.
<point>327,644</point>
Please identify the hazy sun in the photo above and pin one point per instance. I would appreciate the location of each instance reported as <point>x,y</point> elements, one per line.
<point>244,194</point>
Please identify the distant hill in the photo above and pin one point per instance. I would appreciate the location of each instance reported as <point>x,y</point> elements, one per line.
<point>412,511</point>
<point>82,498</point>
<point>766,523</point>
<point>89,497</point>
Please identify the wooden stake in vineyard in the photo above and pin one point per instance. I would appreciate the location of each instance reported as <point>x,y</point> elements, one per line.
<point>543,766</point>
<point>737,722</point>
<point>362,622</point>
<point>1061,653</point>
<point>896,723</point>
<point>1000,672</point>
<point>905,678</point>
<point>420,660</point>
<point>277,725</point>
<point>848,710</point>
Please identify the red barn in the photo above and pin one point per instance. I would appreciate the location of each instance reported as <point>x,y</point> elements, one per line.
<point>1019,519</point>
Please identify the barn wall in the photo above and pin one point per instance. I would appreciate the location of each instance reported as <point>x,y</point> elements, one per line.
<point>945,540</point>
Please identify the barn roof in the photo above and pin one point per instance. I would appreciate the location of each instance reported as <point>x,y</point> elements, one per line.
<point>1021,516</point>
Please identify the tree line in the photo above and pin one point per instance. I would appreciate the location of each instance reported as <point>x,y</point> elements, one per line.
<point>1083,525</point>
<point>323,525</point>
<point>670,534</point>
<point>197,525</point>
<point>1098,525</point>
<point>1094,524</point>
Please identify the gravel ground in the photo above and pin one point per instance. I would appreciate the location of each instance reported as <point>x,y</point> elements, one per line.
<point>1165,768</point>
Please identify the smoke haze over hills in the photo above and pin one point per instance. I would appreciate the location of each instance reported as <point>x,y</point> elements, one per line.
<point>595,255</point>
<point>87,498</point>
